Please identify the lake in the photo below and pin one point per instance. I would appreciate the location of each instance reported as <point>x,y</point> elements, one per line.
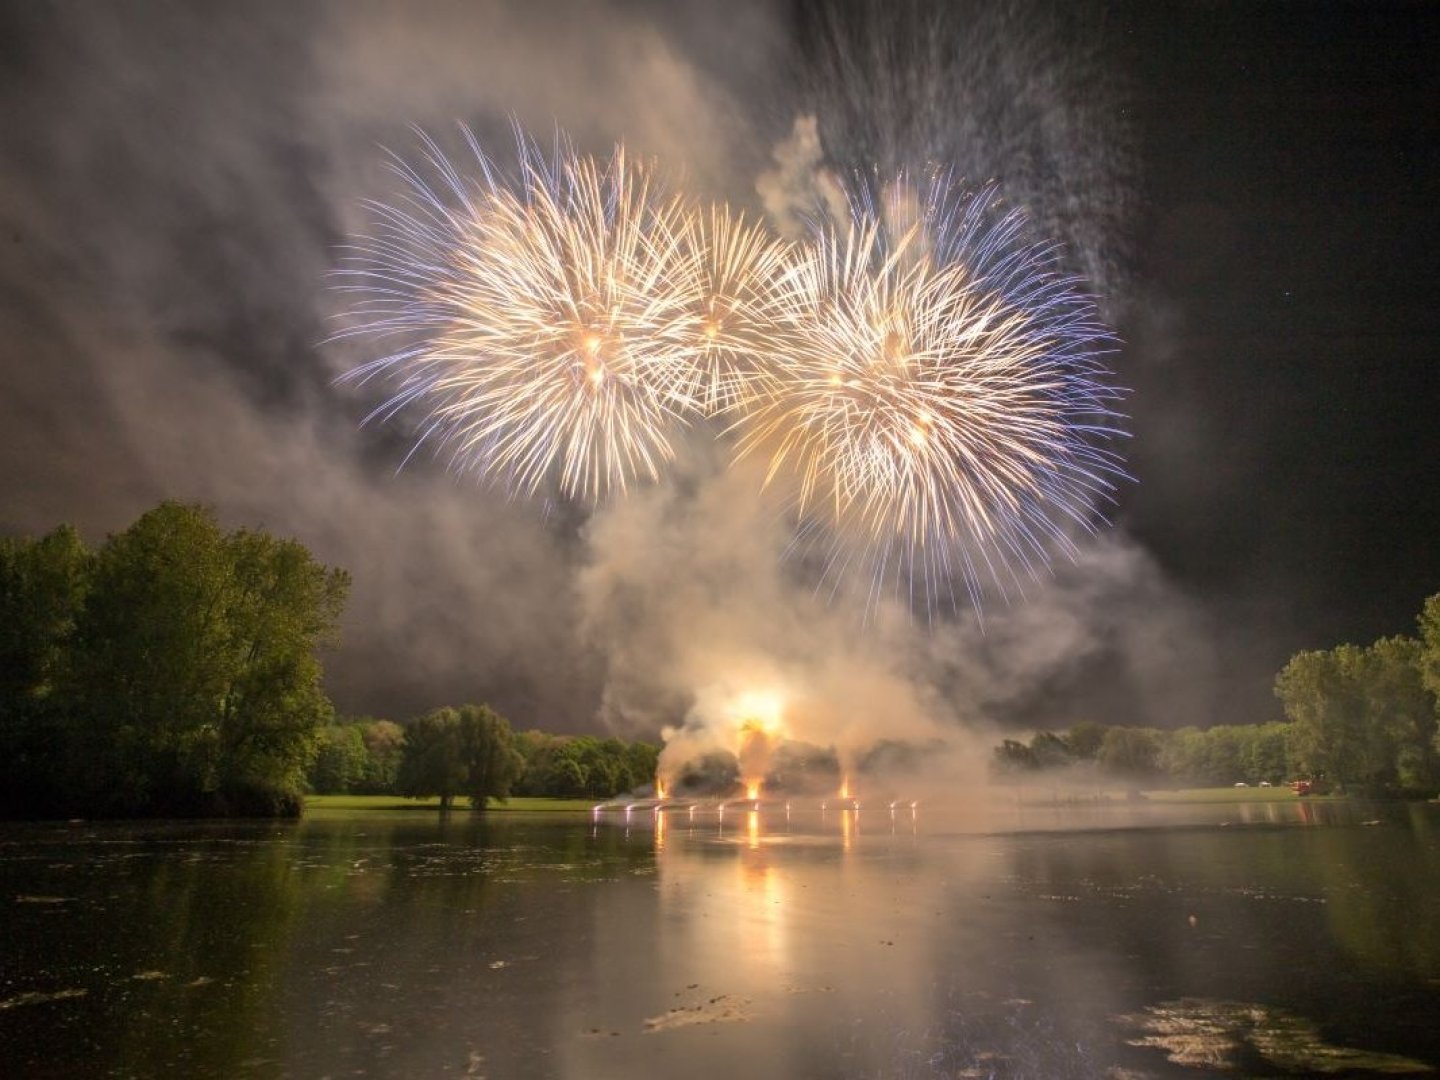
<point>1282,938</point>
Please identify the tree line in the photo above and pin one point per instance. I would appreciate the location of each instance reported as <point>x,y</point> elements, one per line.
<point>174,671</point>
<point>1357,718</point>
<point>471,751</point>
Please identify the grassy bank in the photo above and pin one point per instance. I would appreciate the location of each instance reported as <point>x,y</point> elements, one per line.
<point>321,803</point>
<point>1231,795</point>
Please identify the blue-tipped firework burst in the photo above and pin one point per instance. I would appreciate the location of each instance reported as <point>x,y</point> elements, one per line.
<point>548,321</point>
<point>920,378</point>
<point>940,413</point>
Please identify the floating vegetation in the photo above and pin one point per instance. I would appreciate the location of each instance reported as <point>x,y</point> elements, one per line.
<point>722,1009</point>
<point>36,997</point>
<point>1206,1034</point>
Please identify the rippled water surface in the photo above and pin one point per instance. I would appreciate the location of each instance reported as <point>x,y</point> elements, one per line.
<point>1246,940</point>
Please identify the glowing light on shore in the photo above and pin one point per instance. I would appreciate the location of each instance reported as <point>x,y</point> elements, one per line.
<point>760,728</point>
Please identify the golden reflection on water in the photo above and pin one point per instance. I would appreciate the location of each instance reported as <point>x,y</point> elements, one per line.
<point>736,921</point>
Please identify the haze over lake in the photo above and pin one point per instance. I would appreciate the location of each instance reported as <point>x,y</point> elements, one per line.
<point>1230,939</point>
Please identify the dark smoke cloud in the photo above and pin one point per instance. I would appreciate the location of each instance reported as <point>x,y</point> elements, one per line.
<point>177,180</point>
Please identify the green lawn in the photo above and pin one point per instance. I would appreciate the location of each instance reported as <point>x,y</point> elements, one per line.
<point>397,802</point>
<point>1227,794</point>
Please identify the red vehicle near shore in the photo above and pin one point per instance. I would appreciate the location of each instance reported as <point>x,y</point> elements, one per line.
<point>1302,787</point>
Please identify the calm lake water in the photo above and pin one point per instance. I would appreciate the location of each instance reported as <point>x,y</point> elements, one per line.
<point>1246,940</point>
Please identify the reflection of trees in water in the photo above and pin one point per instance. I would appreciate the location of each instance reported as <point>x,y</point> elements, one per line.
<point>180,940</point>
<point>1381,908</point>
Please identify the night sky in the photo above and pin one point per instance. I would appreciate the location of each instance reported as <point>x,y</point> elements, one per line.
<point>1253,184</point>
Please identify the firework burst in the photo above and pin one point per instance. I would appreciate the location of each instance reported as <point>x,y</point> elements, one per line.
<point>920,377</point>
<point>740,310</point>
<point>940,409</point>
<point>548,322</point>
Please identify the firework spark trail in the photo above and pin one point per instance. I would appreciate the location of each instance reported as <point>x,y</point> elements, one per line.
<point>940,408</point>
<point>920,377</point>
<point>549,321</point>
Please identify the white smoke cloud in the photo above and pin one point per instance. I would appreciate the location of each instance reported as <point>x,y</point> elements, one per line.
<point>800,184</point>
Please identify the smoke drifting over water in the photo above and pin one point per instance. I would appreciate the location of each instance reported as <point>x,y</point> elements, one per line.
<point>177,194</point>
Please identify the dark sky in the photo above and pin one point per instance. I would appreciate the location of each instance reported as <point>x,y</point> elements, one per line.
<point>1253,184</point>
<point>1285,365</point>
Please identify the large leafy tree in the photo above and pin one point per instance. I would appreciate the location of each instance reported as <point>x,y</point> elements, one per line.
<point>280,605</point>
<point>433,762</point>
<point>493,762</point>
<point>1362,716</point>
<point>466,751</point>
<point>194,666</point>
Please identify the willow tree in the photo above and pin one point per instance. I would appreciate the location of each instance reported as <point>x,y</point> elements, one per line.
<point>466,751</point>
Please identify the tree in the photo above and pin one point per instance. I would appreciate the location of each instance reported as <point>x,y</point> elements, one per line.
<point>42,589</point>
<point>194,684</point>
<point>1085,739</point>
<point>151,662</point>
<point>643,758</point>
<point>340,760</point>
<point>1362,717</point>
<point>1050,751</point>
<point>493,763</point>
<point>281,605</point>
<point>432,763</point>
<point>1430,645</point>
<point>1011,757</point>
<point>384,747</point>
<point>1399,704</point>
<point>466,751</point>
<point>1129,752</point>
